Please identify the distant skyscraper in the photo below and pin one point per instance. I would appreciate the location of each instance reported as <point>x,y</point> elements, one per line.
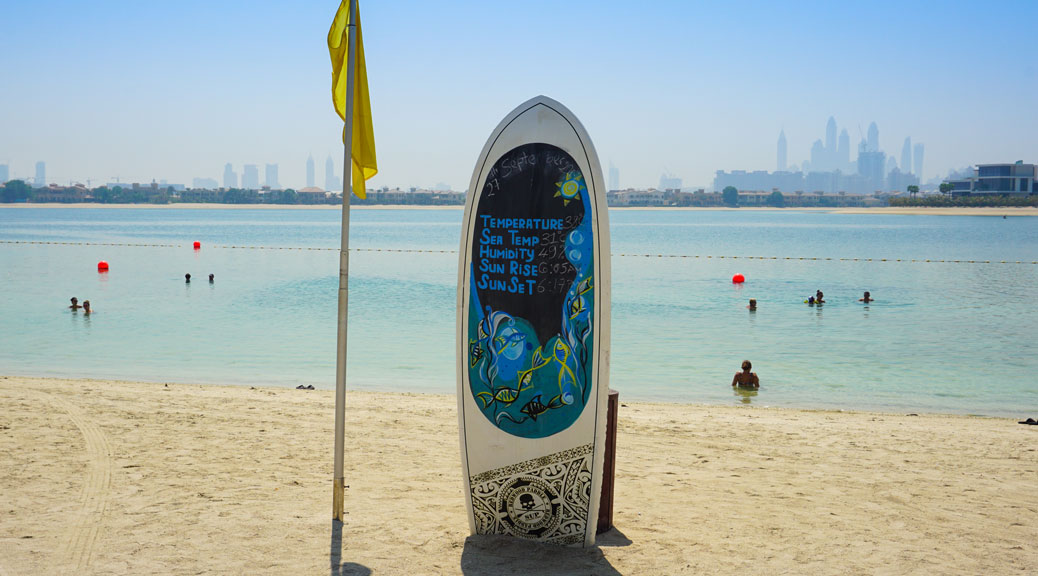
<point>41,174</point>
<point>5,173</point>
<point>891,165</point>
<point>669,182</point>
<point>917,168</point>
<point>250,177</point>
<point>310,171</point>
<point>331,181</point>
<point>819,162</point>
<point>871,167</point>
<point>843,151</point>
<point>906,156</point>
<point>780,163</point>
<point>873,138</point>
<point>272,176</point>
<point>614,177</point>
<point>830,136</point>
<point>230,177</point>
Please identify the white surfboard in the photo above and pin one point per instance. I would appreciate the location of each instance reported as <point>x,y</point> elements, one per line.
<point>533,329</point>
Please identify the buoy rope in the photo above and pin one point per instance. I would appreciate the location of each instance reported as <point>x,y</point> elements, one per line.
<point>620,254</point>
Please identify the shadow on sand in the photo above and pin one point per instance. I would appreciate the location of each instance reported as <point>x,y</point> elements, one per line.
<point>507,555</point>
<point>338,567</point>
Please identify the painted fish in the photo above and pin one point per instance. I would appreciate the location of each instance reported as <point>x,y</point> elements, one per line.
<point>584,286</point>
<point>535,407</point>
<point>506,395</point>
<point>475,353</point>
<point>561,351</point>
<point>576,306</point>
<point>514,338</point>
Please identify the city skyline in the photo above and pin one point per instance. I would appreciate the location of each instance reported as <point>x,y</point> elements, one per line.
<point>664,88</point>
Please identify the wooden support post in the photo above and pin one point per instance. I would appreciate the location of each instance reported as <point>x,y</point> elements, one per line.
<point>605,506</point>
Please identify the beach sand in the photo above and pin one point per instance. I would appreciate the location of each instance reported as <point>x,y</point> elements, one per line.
<point>100,477</point>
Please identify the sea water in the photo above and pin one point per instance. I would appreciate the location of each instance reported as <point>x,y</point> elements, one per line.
<point>945,336</point>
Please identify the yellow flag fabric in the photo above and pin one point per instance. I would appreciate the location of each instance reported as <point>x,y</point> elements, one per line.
<point>363,146</point>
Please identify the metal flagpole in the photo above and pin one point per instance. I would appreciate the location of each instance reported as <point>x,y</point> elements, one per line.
<point>344,274</point>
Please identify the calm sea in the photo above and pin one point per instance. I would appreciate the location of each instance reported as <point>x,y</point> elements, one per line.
<point>940,337</point>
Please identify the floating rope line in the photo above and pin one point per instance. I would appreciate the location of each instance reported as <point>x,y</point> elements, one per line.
<point>621,254</point>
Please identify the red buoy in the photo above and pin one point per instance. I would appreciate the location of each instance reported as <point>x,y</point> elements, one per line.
<point>102,266</point>
<point>198,245</point>
<point>738,279</point>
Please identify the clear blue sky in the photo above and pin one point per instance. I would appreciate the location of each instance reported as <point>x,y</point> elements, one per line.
<point>173,90</point>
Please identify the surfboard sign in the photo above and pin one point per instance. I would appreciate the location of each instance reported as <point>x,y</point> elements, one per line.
<point>533,329</point>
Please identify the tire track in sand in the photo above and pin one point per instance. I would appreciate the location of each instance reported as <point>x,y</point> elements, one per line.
<point>97,480</point>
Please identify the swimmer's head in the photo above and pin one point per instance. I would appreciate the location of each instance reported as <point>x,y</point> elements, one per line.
<point>74,299</point>
<point>746,365</point>
<point>866,294</point>
<point>810,299</point>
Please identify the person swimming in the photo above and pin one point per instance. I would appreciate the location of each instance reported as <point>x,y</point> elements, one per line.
<point>810,301</point>
<point>187,278</point>
<point>868,298</point>
<point>746,379</point>
<point>818,297</point>
<point>212,278</point>
<point>753,305</point>
<point>86,307</point>
<point>75,304</point>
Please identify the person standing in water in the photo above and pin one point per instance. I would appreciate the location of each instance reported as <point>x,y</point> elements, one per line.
<point>75,304</point>
<point>753,305</point>
<point>86,307</point>
<point>187,278</point>
<point>746,379</point>
<point>867,298</point>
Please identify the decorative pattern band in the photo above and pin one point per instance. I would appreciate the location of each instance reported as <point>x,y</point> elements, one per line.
<point>546,499</point>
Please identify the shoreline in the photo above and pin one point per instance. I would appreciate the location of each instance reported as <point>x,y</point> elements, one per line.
<point>883,210</point>
<point>106,477</point>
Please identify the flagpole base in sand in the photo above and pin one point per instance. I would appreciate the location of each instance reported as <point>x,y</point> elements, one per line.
<point>337,498</point>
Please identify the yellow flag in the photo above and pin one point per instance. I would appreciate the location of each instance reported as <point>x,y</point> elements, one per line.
<point>363,147</point>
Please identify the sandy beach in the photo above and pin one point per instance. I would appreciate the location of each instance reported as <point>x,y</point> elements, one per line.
<point>1008,211</point>
<point>103,477</point>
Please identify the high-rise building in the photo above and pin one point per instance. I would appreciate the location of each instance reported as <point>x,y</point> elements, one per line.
<point>906,156</point>
<point>250,177</point>
<point>780,163</point>
<point>669,182</point>
<point>614,177</point>
<point>819,161</point>
<point>331,181</point>
<point>310,171</point>
<point>843,151</point>
<point>41,174</point>
<point>873,145</point>
<point>830,136</point>
<point>5,173</point>
<point>272,177</point>
<point>230,177</point>
<point>917,168</point>
<point>871,167</point>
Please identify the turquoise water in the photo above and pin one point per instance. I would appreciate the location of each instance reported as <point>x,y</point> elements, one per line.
<point>941,337</point>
